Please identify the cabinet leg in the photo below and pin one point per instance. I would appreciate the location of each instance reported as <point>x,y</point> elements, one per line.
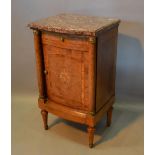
<point>109,116</point>
<point>44,114</point>
<point>91,131</point>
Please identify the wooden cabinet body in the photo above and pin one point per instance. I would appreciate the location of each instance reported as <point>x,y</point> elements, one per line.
<point>76,73</point>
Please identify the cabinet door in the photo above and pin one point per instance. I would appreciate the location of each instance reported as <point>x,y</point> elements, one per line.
<point>66,65</point>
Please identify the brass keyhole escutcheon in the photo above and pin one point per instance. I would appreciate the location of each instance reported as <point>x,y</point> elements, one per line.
<point>45,72</point>
<point>62,39</point>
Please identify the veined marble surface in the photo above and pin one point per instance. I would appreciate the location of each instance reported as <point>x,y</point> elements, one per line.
<point>74,24</point>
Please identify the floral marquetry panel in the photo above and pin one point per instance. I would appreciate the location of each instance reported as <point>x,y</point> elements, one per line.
<point>66,70</point>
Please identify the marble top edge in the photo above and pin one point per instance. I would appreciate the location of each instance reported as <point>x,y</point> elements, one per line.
<point>74,23</point>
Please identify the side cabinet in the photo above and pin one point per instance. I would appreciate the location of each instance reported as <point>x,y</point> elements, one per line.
<point>76,65</point>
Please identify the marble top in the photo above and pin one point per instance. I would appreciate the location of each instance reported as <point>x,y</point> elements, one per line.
<point>74,24</point>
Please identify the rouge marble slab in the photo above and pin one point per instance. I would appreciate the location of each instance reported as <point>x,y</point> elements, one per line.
<point>74,24</point>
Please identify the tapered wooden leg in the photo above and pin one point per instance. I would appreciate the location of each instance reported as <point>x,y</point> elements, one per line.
<point>109,116</point>
<point>44,114</point>
<point>91,131</point>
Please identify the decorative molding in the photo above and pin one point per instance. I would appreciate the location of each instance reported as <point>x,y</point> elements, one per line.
<point>92,113</point>
<point>35,32</point>
<point>43,99</point>
<point>92,40</point>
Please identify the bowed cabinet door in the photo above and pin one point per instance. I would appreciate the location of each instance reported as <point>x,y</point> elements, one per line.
<point>67,70</point>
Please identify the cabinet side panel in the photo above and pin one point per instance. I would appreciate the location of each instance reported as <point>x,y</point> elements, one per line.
<point>106,66</point>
